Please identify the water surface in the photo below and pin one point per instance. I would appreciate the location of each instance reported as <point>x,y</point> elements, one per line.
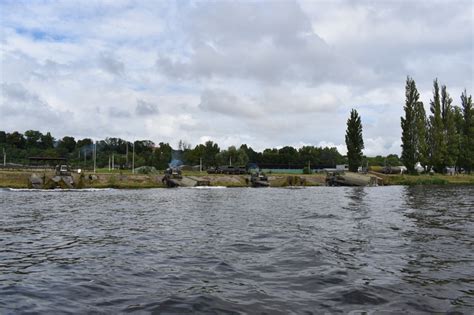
<point>275,251</point>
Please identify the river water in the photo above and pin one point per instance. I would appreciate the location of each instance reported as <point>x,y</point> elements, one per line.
<point>275,251</point>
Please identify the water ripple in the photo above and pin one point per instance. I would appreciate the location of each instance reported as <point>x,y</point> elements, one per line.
<point>237,251</point>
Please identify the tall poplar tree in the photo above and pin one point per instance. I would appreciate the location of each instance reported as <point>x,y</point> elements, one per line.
<point>414,146</point>
<point>451,136</point>
<point>436,129</point>
<point>421,134</point>
<point>467,140</point>
<point>354,141</point>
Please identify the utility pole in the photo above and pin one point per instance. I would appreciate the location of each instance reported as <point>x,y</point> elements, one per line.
<point>126,154</point>
<point>95,155</point>
<point>109,162</point>
<point>200,165</point>
<point>4,158</point>
<point>113,162</point>
<point>133,158</point>
<point>230,161</point>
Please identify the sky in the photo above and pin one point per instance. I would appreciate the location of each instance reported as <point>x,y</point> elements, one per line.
<point>264,73</point>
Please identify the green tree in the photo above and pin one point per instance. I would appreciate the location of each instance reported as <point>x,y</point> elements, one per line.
<point>33,138</point>
<point>421,123</point>
<point>162,156</point>
<point>437,137</point>
<point>67,143</point>
<point>3,137</point>
<point>354,141</point>
<point>16,140</point>
<point>86,142</point>
<point>459,123</point>
<point>451,136</point>
<point>253,156</point>
<point>47,141</point>
<point>414,146</point>
<point>467,139</point>
<point>211,149</point>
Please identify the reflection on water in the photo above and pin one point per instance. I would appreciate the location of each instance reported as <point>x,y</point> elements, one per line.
<point>278,251</point>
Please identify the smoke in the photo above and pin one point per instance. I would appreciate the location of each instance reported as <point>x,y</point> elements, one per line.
<point>176,159</point>
<point>86,150</point>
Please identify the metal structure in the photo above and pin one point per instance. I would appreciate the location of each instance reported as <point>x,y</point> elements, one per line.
<point>47,161</point>
<point>259,180</point>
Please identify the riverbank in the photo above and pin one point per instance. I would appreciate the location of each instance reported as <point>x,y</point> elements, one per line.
<point>437,179</point>
<point>126,180</point>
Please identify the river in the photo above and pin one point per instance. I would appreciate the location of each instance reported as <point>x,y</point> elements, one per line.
<point>276,251</point>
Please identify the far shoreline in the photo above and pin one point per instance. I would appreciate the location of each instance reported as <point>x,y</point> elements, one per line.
<point>18,178</point>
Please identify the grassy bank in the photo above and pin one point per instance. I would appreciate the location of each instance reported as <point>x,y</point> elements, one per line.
<point>437,179</point>
<point>19,179</point>
<point>126,180</point>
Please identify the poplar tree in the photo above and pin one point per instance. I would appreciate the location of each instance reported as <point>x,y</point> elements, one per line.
<point>451,136</point>
<point>436,129</point>
<point>354,141</point>
<point>467,139</point>
<point>414,146</point>
<point>421,134</point>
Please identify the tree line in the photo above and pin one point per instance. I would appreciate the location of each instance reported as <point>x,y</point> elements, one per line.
<point>443,139</point>
<point>20,146</point>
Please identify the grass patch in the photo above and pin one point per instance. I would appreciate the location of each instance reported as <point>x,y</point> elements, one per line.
<point>437,179</point>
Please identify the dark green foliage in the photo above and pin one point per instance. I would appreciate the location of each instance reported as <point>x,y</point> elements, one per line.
<point>232,156</point>
<point>3,137</point>
<point>47,141</point>
<point>437,138</point>
<point>16,139</point>
<point>33,138</point>
<point>68,144</point>
<point>389,160</point>
<point>467,136</point>
<point>414,146</point>
<point>211,149</point>
<point>80,153</point>
<point>451,135</point>
<point>162,156</point>
<point>354,141</point>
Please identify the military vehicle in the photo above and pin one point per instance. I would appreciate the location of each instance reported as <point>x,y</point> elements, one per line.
<point>62,179</point>
<point>172,177</point>
<point>63,170</point>
<point>229,170</point>
<point>394,169</point>
<point>258,180</point>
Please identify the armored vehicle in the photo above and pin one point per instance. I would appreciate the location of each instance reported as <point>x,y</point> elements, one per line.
<point>259,180</point>
<point>172,177</point>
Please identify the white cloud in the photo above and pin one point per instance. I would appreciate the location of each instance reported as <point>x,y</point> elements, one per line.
<point>268,74</point>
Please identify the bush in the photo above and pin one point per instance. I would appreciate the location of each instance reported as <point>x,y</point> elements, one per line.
<point>146,170</point>
<point>307,170</point>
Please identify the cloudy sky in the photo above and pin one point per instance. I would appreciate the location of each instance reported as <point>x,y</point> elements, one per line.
<point>265,73</point>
